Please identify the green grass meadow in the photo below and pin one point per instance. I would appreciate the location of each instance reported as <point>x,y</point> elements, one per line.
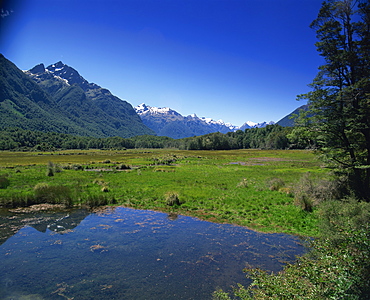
<point>246,187</point>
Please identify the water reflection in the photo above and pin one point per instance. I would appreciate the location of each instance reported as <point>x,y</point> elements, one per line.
<point>123,253</point>
<point>41,217</point>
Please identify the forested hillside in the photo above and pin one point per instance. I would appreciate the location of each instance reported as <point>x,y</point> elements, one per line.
<point>91,104</point>
<point>24,104</point>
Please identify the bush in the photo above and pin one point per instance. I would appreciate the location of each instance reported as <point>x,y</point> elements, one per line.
<point>337,216</point>
<point>275,184</point>
<point>4,182</point>
<point>99,181</point>
<point>123,167</point>
<point>50,169</point>
<point>105,189</point>
<point>243,183</point>
<point>172,198</point>
<point>309,193</point>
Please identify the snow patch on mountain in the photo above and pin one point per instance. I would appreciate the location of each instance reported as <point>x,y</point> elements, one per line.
<point>143,109</point>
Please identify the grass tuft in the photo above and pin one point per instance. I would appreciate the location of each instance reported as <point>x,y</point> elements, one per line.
<point>45,193</point>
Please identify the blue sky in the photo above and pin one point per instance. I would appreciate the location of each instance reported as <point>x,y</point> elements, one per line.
<point>235,60</point>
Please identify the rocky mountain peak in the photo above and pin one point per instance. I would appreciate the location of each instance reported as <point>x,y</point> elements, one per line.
<point>40,68</point>
<point>68,73</point>
<point>143,109</point>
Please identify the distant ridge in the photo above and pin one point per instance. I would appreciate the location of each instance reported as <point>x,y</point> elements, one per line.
<point>168,122</point>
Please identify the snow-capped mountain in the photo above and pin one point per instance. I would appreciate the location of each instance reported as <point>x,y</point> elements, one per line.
<point>168,122</point>
<point>250,124</point>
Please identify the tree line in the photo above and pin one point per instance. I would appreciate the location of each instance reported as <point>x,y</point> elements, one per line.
<point>269,137</point>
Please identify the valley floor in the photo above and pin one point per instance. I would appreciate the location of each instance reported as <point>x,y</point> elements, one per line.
<point>253,188</point>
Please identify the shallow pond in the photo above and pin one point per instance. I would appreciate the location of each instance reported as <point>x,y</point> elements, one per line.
<point>122,253</point>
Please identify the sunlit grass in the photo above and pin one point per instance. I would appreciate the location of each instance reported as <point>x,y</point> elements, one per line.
<point>207,183</point>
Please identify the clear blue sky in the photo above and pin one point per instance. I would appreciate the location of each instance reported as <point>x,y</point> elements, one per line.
<point>235,60</point>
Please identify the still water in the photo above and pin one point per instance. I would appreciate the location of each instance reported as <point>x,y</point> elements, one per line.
<point>122,253</point>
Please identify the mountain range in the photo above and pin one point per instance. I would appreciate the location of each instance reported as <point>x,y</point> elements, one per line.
<point>168,122</point>
<point>58,99</point>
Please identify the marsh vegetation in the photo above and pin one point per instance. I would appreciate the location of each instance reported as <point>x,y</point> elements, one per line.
<point>254,188</point>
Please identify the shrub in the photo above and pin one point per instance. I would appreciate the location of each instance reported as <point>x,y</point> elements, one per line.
<point>4,182</point>
<point>99,181</point>
<point>50,169</point>
<point>303,200</point>
<point>337,215</point>
<point>123,167</point>
<point>309,193</point>
<point>77,167</point>
<point>105,189</point>
<point>275,184</point>
<point>172,198</point>
<point>338,266</point>
<point>243,183</point>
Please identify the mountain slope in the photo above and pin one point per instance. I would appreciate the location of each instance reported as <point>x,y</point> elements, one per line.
<point>90,103</point>
<point>24,104</point>
<point>288,121</point>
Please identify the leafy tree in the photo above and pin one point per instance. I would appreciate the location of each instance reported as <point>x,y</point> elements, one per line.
<point>340,100</point>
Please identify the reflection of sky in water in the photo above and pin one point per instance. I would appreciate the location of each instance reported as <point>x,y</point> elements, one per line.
<point>133,254</point>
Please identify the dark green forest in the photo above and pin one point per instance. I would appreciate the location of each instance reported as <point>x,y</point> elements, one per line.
<point>269,137</point>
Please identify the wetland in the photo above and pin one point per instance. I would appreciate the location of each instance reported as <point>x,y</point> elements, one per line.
<point>148,224</point>
<point>124,253</point>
